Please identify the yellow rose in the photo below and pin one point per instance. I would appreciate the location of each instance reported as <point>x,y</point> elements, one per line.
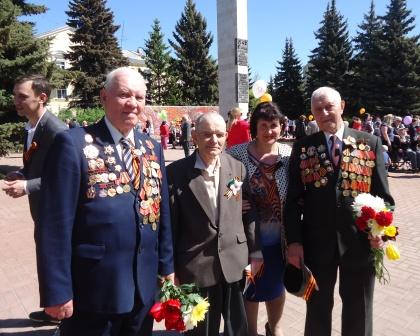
<point>199,311</point>
<point>390,231</point>
<point>392,252</point>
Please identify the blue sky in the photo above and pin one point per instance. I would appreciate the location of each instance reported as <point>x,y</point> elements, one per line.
<point>269,23</point>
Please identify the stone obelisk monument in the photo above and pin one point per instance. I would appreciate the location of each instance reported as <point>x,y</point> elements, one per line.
<point>232,40</point>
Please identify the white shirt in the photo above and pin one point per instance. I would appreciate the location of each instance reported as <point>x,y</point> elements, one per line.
<point>116,136</point>
<point>31,130</point>
<point>211,175</point>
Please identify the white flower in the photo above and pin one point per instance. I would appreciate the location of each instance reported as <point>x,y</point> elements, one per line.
<point>236,186</point>
<point>90,151</point>
<point>364,199</point>
<point>186,316</point>
<point>375,229</point>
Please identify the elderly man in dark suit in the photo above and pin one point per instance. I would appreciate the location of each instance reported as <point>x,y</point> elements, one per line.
<point>31,93</point>
<point>327,170</point>
<point>104,233</point>
<point>211,241</point>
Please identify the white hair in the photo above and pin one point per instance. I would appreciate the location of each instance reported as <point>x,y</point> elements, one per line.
<point>325,91</point>
<point>110,77</point>
<point>208,117</point>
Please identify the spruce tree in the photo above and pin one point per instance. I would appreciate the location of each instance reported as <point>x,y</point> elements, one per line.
<point>157,60</point>
<point>367,87</point>
<point>95,51</point>
<point>400,61</point>
<point>197,70</point>
<point>329,61</point>
<point>20,52</point>
<point>288,83</point>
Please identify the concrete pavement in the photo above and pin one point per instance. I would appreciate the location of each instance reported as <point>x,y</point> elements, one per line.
<point>396,306</point>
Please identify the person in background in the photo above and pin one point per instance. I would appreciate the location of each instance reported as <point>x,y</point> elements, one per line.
<point>320,227</point>
<point>267,162</point>
<point>74,123</point>
<point>164,134</point>
<point>356,123</point>
<point>212,242</point>
<point>85,123</point>
<point>387,159</point>
<point>312,127</point>
<point>237,128</point>
<point>185,138</point>
<point>300,130</point>
<point>148,128</point>
<point>30,96</point>
<point>104,232</point>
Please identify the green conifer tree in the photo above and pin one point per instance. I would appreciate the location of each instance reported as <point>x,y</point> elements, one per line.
<point>367,88</point>
<point>158,62</point>
<point>288,83</point>
<point>20,52</point>
<point>95,51</point>
<point>329,61</point>
<point>197,70</point>
<point>400,61</point>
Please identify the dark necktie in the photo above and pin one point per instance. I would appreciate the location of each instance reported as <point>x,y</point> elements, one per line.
<point>335,150</point>
<point>127,157</point>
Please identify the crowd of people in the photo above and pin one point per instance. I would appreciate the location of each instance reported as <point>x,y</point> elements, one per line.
<point>110,218</point>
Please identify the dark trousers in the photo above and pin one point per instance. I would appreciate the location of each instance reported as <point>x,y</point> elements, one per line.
<point>356,285</point>
<point>225,299</point>
<point>186,147</point>
<point>136,323</point>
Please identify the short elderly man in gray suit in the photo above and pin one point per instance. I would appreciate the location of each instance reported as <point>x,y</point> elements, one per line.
<point>31,93</point>
<point>212,242</point>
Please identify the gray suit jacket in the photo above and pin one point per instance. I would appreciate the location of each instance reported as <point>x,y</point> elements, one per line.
<point>47,129</point>
<point>206,251</point>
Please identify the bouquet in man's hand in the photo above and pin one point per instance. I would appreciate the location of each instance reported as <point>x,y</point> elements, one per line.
<point>375,218</point>
<point>181,307</point>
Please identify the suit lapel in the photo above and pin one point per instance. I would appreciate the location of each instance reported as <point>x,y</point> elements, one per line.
<point>198,188</point>
<point>40,128</point>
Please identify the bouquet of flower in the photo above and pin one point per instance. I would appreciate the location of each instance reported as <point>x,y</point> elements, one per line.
<point>181,307</point>
<point>375,218</point>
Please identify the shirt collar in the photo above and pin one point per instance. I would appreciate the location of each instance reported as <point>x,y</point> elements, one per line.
<point>28,126</point>
<point>211,169</point>
<point>339,134</point>
<point>116,134</point>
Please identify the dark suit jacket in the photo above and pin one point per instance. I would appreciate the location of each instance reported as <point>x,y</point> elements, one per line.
<point>97,251</point>
<point>206,251</point>
<point>322,218</point>
<point>45,133</point>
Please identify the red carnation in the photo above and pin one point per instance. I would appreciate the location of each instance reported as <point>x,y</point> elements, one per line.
<point>361,223</point>
<point>368,212</point>
<point>384,218</point>
<point>157,312</point>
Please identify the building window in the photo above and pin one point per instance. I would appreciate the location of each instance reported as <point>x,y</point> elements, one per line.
<point>61,93</point>
<point>61,64</point>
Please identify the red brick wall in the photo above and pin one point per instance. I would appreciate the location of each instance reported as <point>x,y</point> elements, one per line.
<point>175,113</point>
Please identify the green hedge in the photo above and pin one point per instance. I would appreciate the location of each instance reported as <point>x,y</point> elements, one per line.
<point>91,115</point>
<point>11,137</point>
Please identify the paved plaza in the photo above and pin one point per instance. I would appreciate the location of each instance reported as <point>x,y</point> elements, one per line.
<point>396,307</point>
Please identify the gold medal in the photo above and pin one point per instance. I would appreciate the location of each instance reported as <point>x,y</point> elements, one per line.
<point>354,193</point>
<point>119,190</point>
<point>317,184</point>
<point>90,193</point>
<point>346,193</point>
<point>112,192</point>
<point>362,146</point>
<point>126,188</point>
<point>154,226</point>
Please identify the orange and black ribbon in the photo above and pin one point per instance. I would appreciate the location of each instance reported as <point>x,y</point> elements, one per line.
<point>27,155</point>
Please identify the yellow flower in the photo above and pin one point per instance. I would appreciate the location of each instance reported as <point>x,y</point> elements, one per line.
<point>390,231</point>
<point>199,311</point>
<point>392,252</point>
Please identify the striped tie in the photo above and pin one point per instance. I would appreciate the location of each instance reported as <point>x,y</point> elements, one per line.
<point>127,157</point>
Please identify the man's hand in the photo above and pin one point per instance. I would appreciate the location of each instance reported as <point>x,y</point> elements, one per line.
<point>62,311</point>
<point>295,254</point>
<point>256,264</point>
<point>15,188</point>
<point>170,277</point>
<point>375,242</point>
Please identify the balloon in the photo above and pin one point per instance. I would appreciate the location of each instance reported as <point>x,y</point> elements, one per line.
<point>407,120</point>
<point>259,88</point>
<point>163,115</point>
<point>311,117</point>
<point>362,110</point>
<point>265,98</point>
